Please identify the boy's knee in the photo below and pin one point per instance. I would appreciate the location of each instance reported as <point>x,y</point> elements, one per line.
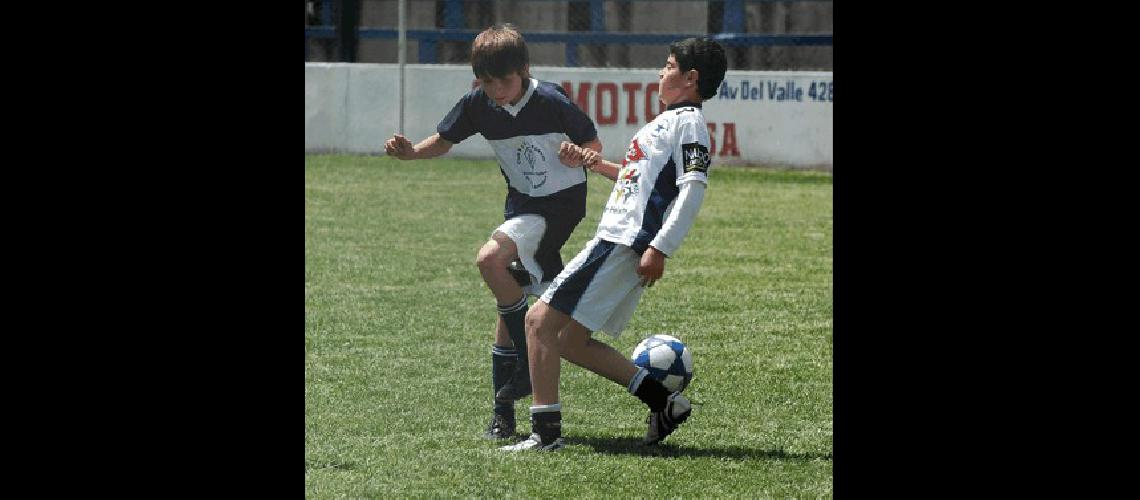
<point>538,322</point>
<point>492,256</point>
<point>533,319</point>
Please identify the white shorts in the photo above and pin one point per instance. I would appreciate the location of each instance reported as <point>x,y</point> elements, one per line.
<point>599,288</point>
<point>526,231</point>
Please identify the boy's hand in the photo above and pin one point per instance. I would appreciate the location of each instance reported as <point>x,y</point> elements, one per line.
<point>590,158</point>
<point>651,267</point>
<point>399,147</point>
<point>570,154</point>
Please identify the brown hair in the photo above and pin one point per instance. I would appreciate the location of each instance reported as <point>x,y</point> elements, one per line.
<point>499,51</point>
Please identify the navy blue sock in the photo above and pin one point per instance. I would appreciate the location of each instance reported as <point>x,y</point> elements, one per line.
<point>546,421</point>
<point>653,394</point>
<point>503,361</point>
<point>514,316</point>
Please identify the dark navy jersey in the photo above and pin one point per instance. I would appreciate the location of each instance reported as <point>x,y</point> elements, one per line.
<point>525,138</point>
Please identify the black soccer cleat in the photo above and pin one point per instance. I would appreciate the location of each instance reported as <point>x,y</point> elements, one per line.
<point>517,387</point>
<point>519,273</point>
<point>663,423</point>
<point>500,427</point>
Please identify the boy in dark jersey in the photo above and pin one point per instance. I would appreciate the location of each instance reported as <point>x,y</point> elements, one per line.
<point>525,121</point>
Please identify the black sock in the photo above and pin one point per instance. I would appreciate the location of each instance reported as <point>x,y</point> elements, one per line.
<point>653,394</point>
<point>502,366</point>
<point>547,424</point>
<point>514,317</point>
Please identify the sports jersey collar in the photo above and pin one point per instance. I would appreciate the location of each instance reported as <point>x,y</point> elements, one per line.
<point>683,104</point>
<point>514,110</point>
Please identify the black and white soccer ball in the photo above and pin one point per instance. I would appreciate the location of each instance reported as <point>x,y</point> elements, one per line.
<point>667,359</point>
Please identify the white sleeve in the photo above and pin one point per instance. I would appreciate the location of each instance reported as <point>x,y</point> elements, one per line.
<point>680,218</point>
<point>691,149</point>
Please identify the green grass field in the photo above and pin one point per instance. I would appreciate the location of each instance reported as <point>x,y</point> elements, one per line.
<point>398,332</point>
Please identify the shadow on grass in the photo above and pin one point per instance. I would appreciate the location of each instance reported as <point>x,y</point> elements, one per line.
<point>633,446</point>
<point>315,464</point>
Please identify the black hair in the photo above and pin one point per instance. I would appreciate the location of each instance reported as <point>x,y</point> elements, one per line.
<point>707,57</point>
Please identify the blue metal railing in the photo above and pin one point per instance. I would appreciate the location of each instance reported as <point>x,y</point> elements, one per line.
<point>732,32</point>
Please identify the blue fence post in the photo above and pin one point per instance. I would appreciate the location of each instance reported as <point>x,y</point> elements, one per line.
<point>597,25</point>
<point>452,20</point>
<point>453,14</point>
<point>597,15</point>
<point>733,16</point>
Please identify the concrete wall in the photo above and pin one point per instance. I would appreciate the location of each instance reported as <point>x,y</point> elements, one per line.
<point>760,117</point>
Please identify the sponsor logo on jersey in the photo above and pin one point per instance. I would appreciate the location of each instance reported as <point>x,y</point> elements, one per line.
<point>696,157</point>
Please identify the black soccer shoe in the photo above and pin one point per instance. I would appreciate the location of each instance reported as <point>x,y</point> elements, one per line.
<point>663,423</point>
<point>519,273</point>
<point>517,387</point>
<point>500,427</point>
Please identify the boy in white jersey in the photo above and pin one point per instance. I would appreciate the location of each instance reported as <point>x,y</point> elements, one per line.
<point>526,122</point>
<point>658,190</point>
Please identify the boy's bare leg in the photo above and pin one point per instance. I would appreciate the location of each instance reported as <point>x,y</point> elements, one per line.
<point>493,259</point>
<point>552,334</point>
<point>510,331</point>
<point>576,346</point>
<point>502,337</point>
<point>542,326</point>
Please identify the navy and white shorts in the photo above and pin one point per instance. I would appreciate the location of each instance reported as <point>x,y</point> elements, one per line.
<point>527,232</point>
<point>599,288</point>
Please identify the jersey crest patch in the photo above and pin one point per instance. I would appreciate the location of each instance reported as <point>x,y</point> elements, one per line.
<point>527,157</point>
<point>696,157</point>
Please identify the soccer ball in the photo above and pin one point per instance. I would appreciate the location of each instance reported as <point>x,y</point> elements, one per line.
<point>668,360</point>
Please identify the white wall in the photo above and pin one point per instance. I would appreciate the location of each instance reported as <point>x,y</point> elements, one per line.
<point>353,108</point>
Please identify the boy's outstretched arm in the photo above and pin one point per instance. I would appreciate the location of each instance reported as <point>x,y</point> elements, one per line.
<point>608,169</point>
<point>399,147</point>
<point>574,156</point>
<point>589,156</point>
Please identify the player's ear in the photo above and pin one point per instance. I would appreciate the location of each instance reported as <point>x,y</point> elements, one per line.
<point>693,76</point>
<point>526,71</point>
